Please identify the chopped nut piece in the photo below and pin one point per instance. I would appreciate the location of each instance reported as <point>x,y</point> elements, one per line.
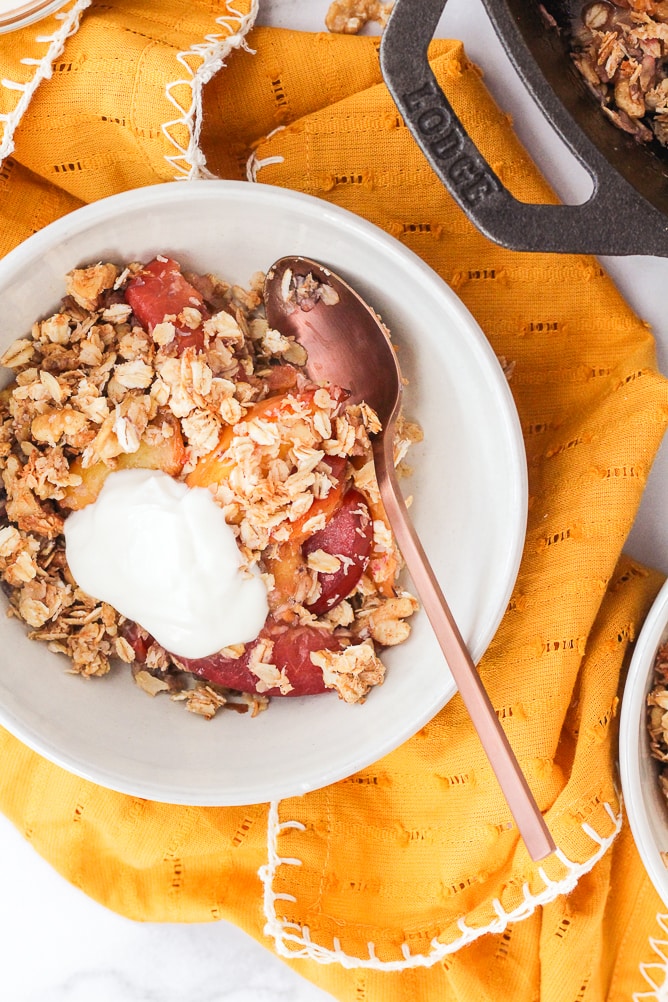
<point>52,425</point>
<point>56,329</point>
<point>352,671</point>
<point>190,318</point>
<point>385,622</point>
<point>86,285</point>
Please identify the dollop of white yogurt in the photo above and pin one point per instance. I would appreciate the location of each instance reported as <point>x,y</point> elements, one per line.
<point>163,555</point>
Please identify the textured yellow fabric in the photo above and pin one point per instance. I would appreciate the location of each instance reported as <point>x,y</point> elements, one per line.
<point>413,854</point>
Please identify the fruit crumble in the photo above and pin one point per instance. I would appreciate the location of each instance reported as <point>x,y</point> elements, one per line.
<point>620,47</point>
<point>657,702</point>
<point>148,367</point>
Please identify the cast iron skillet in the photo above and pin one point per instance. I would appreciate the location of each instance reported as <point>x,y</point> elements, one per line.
<point>628,210</point>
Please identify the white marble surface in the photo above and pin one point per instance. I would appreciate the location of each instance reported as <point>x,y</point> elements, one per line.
<point>56,944</point>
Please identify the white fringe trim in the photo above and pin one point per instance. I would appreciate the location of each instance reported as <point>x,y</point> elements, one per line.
<point>44,70</point>
<point>658,985</point>
<point>190,162</point>
<point>285,933</point>
<point>253,165</point>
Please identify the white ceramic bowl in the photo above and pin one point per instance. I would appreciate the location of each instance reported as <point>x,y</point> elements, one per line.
<point>646,806</point>
<point>18,14</point>
<point>469,489</point>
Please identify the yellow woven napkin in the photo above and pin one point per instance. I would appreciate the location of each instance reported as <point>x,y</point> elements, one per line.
<point>406,881</point>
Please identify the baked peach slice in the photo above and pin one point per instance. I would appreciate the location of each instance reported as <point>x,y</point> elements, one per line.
<point>168,455</point>
<point>291,654</point>
<point>216,466</point>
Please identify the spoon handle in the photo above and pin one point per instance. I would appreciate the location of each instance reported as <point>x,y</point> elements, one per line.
<point>525,810</point>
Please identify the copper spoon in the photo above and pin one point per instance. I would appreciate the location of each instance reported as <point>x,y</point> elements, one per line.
<point>348,345</point>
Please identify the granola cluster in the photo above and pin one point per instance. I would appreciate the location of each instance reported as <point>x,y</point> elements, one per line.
<point>657,702</point>
<point>348,17</point>
<point>621,48</point>
<point>92,391</point>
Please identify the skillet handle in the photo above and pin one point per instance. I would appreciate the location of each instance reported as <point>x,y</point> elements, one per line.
<point>616,220</point>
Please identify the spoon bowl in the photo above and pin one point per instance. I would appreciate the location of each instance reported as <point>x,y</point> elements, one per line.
<point>348,345</point>
<point>346,342</point>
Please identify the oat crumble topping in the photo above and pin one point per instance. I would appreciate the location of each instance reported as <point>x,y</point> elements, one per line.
<point>348,17</point>
<point>209,394</point>
<point>657,701</point>
<point>620,48</point>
